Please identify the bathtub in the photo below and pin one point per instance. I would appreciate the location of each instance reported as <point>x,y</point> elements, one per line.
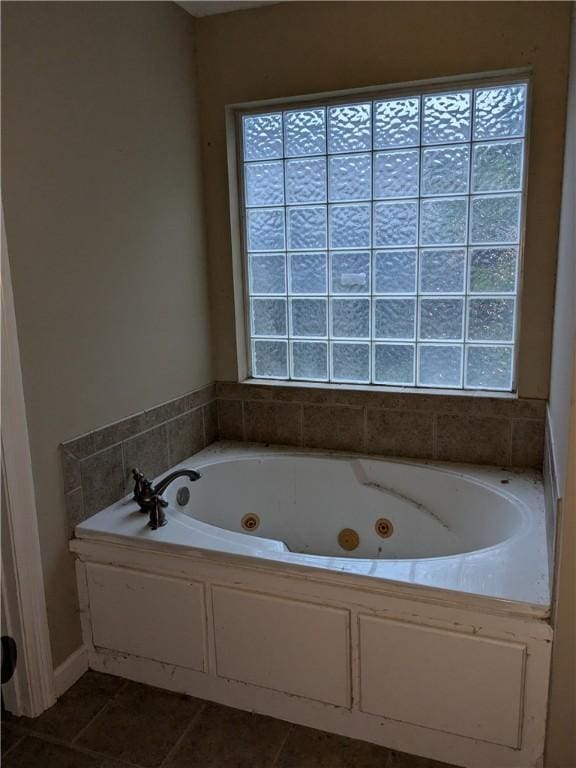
<point>336,591</point>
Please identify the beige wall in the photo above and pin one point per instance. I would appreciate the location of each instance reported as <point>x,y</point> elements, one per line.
<point>104,220</point>
<point>298,48</point>
<point>561,748</point>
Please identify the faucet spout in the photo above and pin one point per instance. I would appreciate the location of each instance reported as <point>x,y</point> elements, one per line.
<point>149,497</point>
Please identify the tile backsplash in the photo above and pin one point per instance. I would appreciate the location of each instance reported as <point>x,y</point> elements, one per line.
<point>481,430</point>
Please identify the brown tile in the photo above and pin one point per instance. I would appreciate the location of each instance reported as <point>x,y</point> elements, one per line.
<point>272,422</point>
<point>200,396</point>
<point>210,414</point>
<point>333,426</point>
<point>102,479</point>
<point>473,440</point>
<point>527,443</point>
<point>70,470</point>
<point>81,447</point>
<point>74,710</point>
<point>403,760</point>
<point>74,508</point>
<point>166,411</point>
<point>36,753</point>
<point>230,419</point>
<point>400,433</point>
<point>119,431</point>
<point>185,436</point>
<point>9,737</point>
<point>148,452</point>
<point>222,736</point>
<point>141,725</point>
<point>308,748</point>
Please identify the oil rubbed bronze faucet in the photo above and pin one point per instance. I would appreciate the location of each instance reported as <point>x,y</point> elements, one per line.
<point>149,497</point>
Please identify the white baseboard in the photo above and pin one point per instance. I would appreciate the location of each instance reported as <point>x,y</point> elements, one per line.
<point>71,670</point>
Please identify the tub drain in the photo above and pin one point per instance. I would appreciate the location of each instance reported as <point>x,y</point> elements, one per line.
<point>384,528</point>
<point>348,539</point>
<point>250,522</point>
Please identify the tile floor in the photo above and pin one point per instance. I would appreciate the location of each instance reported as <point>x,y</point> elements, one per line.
<point>107,722</point>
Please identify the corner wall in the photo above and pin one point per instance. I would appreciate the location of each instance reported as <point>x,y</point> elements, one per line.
<point>104,220</point>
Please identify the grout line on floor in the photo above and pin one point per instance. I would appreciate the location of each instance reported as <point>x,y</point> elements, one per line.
<point>21,736</point>
<point>89,723</point>
<point>174,748</point>
<point>282,745</point>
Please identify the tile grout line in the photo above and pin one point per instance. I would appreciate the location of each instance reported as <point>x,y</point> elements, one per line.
<point>174,748</point>
<point>289,730</point>
<point>100,711</point>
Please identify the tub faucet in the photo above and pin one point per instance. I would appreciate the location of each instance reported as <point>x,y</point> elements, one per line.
<point>149,497</point>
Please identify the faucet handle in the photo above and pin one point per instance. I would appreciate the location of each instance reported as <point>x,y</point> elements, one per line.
<point>140,484</point>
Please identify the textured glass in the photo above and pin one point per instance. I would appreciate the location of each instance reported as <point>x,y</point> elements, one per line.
<point>442,270</point>
<point>445,170</point>
<point>350,177</point>
<point>396,173</point>
<point>493,270</point>
<point>269,317</point>
<point>307,228</point>
<point>267,272</point>
<point>306,180</point>
<point>305,132</point>
<point>446,117</point>
<point>263,136</point>
<point>394,364</point>
<point>489,367</point>
<point>394,318</point>
<point>396,223</point>
<point>396,123</point>
<point>350,225</point>
<point>491,319</point>
<point>264,183</point>
<point>499,112</point>
<point>394,271</point>
<point>443,221</point>
<point>308,273</point>
<point>266,229</point>
<point>440,365</point>
<point>309,317</point>
<point>270,359</point>
<point>441,319</point>
<point>349,128</point>
<point>350,272</point>
<point>495,219</point>
<point>497,167</point>
<point>310,360</point>
<point>350,318</point>
<point>351,362</point>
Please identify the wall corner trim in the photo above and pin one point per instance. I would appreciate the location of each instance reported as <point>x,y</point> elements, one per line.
<point>70,671</point>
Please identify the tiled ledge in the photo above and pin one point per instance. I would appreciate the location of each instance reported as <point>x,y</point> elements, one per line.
<point>96,467</point>
<point>477,429</point>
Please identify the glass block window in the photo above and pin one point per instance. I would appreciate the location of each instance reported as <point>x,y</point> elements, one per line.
<point>382,238</point>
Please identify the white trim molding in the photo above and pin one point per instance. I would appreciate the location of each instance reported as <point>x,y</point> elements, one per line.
<point>71,670</point>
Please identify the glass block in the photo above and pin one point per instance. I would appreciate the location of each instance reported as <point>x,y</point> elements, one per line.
<point>500,112</point>
<point>305,132</point>
<point>444,221</point>
<point>396,223</point>
<point>441,319</point>
<point>267,272</point>
<point>269,317</point>
<point>310,360</point>
<point>349,128</point>
<point>440,365</point>
<point>308,273</point>
<point>350,177</point>
<point>270,359</point>
<point>445,170</point>
<point>396,173</point>
<point>497,167</point>
<point>262,136</point>
<point>350,318</point>
<point>495,219</point>
<point>350,272</point>
<point>493,270</point>
<point>491,319</point>
<point>266,229</point>
<point>446,117</point>
<point>309,317</point>
<point>394,318</point>
<point>489,367</point>
<point>396,123</point>
<point>264,183</point>
<point>350,225</point>
<point>351,362</point>
<point>306,180</point>
<point>442,270</point>
<point>394,364</point>
<point>307,228</point>
<point>394,272</point>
